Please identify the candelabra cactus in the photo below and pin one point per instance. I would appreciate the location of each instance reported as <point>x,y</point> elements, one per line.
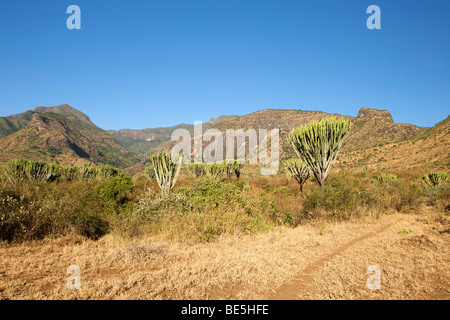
<point>299,170</point>
<point>167,169</point>
<point>318,142</point>
<point>197,169</point>
<point>434,179</point>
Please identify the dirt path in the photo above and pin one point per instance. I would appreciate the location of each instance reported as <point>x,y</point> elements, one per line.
<point>290,289</point>
<point>312,261</point>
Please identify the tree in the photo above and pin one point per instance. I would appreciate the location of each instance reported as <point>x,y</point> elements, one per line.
<point>167,169</point>
<point>318,142</point>
<point>299,170</point>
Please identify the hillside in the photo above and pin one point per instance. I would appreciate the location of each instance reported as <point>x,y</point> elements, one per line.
<point>371,127</point>
<point>145,142</point>
<point>428,150</point>
<point>60,134</point>
<point>66,135</point>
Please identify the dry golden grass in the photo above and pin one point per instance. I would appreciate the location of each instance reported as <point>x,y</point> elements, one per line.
<point>260,266</point>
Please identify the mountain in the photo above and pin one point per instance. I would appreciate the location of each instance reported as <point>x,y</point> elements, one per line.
<point>68,136</point>
<point>60,134</point>
<point>145,142</point>
<point>428,149</point>
<point>371,127</point>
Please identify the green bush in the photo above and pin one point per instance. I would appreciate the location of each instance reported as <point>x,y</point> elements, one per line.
<point>215,171</point>
<point>116,189</point>
<point>212,193</point>
<point>385,178</point>
<point>337,196</point>
<point>28,213</point>
<point>434,179</point>
<point>152,204</point>
<point>197,169</point>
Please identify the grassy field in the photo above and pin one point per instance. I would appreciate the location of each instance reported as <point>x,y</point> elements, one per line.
<point>258,237</point>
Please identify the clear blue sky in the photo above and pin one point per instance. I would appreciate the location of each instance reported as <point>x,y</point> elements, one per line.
<point>141,64</point>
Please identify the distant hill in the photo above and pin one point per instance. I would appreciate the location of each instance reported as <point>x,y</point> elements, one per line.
<point>65,134</point>
<point>60,134</point>
<point>145,142</point>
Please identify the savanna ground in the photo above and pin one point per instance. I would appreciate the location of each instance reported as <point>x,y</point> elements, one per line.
<point>262,241</point>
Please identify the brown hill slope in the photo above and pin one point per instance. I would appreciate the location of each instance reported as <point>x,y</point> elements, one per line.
<point>428,151</point>
<point>68,138</point>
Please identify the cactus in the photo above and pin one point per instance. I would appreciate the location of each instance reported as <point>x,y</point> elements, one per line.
<point>299,170</point>
<point>106,171</point>
<point>434,179</point>
<point>197,169</point>
<point>15,170</point>
<point>167,169</point>
<point>35,171</point>
<point>318,142</point>
<point>232,167</point>
<point>87,173</point>
<point>69,173</point>
<point>385,178</point>
<point>215,170</point>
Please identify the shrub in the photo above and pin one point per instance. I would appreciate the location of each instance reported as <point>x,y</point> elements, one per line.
<point>337,197</point>
<point>212,193</point>
<point>28,213</point>
<point>385,178</point>
<point>434,179</point>
<point>150,172</point>
<point>115,189</point>
<point>214,170</point>
<point>152,204</point>
<point>197,169</point>
<point>106,171</point>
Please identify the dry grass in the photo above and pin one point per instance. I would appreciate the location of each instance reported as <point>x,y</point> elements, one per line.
<point>244,267</point>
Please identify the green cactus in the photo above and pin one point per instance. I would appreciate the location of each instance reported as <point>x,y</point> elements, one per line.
<point>434,179</point>
<point>197,169</point>
<point>87,173</point>
<point>299,170</point>
<point>318,142</point>
<point>69,173</point>
<point>386,178</point>
<point>167,169</point>
<point>15,170</point>
<point>215,170</point>
<point>106,171</point>
<point>232,167</point>
<point>35,171</point>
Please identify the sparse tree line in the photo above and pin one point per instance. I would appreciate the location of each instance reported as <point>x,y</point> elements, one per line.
<point>21,170</point>
<point>316,144</point>
<point>165,169</point>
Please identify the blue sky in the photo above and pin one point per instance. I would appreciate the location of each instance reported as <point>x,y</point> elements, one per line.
<point>142,64</point>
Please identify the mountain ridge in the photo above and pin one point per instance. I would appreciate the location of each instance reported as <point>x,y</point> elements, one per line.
<point>65,134</point>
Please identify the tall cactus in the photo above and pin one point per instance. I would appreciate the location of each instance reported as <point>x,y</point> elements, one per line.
<point>215,170</point>
<point>166,169</point>
<point>434,179</point>
<point>299,170</point>
<point>318,142</point>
